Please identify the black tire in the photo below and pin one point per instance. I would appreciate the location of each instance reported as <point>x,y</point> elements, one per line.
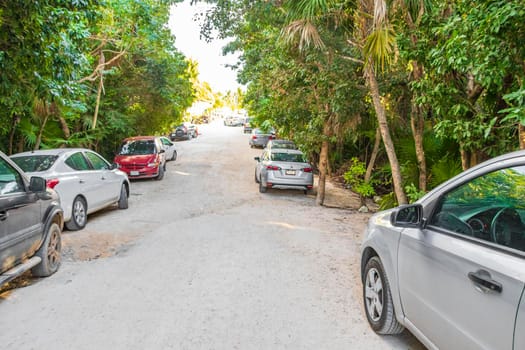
<point>49,252</point>
<point>123,199</point>
<point>78,215</point>
<point>174,156</point>
<point>383,321</point>
<point>262,188</point>
<point>161,173</point>
<point>189,136</point>
<point>256,179</point>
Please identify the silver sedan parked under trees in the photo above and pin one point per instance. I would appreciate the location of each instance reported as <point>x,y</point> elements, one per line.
<point>283,168</point>
<point>451,267</point>
<point>84,180</point>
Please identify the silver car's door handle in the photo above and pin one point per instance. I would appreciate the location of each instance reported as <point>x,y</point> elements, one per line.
<point>81,181</point>
<point>484,283</point>
<point>3,215</point>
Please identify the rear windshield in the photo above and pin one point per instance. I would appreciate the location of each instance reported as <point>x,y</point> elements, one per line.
<point>35,163</point>
<point>137,147</point>
<point>288,157</point>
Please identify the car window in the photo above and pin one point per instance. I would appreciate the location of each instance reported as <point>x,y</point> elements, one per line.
<point>288,157</point>
<point>77,162</point>
<point>35,162</point>
<point>10,179</point>
<point>138,147</point>
<point>97,161</point>
<point>166,141</point>
<point>490,207</point>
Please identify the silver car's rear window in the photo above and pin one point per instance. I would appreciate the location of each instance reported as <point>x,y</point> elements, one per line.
<point>288,157</point>
<point>35,163</point>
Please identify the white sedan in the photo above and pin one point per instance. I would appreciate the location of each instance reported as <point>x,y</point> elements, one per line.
<point>169,148</point>
<point>84,180</point>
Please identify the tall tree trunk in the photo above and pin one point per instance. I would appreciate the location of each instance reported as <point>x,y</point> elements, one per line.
<point>101,63</point>
<point>64,127</point>
<point>521,133</point>
<point>417,123</point>
<point>385,134</point>
<point>16,120</point>
<point>373,156</point>
<point>465,158</point>
<point>40,132</point>
<point>323,162</point>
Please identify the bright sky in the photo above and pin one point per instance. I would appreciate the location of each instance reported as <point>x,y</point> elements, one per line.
<point>209,55</point>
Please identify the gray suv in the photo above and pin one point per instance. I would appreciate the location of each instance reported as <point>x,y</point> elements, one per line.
<point>31,223</point>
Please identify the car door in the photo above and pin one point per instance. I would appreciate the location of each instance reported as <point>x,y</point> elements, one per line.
<point>109,183</point>
<point>460,285</point>
<point>85,181</point>
<point>168,147</point>
<point>20,217</point>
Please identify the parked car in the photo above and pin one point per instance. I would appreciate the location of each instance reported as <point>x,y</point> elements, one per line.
<point>283,168</point>
<point>260,138</point>
<point>234,120</point>
<point>451,267</point>
<point>84,180</point>
<point>31,223</point>
<point>142,157</point>
<point>184,131</point>
<point>169,148</point>
<point>281,144</point>
<point>247,125</point>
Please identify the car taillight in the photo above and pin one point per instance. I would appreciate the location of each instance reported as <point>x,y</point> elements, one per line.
<point>273,167</point>
<point>254,137</point>
<point>307,170</point>
<point>51,183</point>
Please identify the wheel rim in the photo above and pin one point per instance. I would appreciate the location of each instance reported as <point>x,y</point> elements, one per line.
<point>53,249</point>
<point>374,295</point>
<point>79,213</point>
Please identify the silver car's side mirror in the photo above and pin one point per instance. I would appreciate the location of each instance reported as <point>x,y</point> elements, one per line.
<point>257,158</point>
<point>407,216</point>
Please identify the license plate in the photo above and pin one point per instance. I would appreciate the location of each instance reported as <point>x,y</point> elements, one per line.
<point>290,172</point>
<point>134,173</point>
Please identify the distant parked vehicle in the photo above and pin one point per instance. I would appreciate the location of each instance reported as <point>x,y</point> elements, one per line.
<point>247,126</point>
<point>260,138</point>
<point>283,168</point>
<point>282,144</point>
<point>234,120</point>
<point>84,180</point>
<point>31,223</point>
<point>185,131</point>
<point>142,157</point>
<point>169,148</point>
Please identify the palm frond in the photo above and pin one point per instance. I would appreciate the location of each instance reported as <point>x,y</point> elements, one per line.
<point>380,47</point>
<point>307,33</point>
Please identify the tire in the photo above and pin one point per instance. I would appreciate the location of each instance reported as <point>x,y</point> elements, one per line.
<point>123,199</point>
<point>189,136</point>
<point>262,188</point>
<point>256,179</point>
<point>78,215</point>
<point>161,173</point>
<point>174,156</point>
<point>49,252</point>
<point>377,299</point>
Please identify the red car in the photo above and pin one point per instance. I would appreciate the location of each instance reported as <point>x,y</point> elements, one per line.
<point>142,157</point>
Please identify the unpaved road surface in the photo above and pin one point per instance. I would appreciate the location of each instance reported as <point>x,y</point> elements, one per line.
<point>202,260</point>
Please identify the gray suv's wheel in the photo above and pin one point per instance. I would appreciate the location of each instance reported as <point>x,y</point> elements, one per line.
<point>378,299</point>
<point>49,252</point>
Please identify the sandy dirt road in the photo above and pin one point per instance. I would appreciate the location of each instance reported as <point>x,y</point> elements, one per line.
<point>202,260</point>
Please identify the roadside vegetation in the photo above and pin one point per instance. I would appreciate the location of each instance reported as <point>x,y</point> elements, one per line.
<point>395,96</point>
<point>416,90</point>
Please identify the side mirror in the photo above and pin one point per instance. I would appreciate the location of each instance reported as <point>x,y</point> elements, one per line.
<point>37,184</point>
<point>257,158</point>
<point>162,150</point>
<point>408,216</point>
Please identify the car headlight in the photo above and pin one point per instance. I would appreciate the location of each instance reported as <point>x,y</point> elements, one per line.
<point>152,165</point>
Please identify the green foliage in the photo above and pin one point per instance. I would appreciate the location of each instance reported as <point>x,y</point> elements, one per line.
<point>355,178</point>
<point>413,193</point>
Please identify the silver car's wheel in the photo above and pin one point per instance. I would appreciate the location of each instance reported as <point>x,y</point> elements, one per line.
<point>78,216</point>
<point>262,188</point>
<point>378,299</point>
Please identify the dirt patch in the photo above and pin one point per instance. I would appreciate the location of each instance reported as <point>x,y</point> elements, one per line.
<point>88,245</point>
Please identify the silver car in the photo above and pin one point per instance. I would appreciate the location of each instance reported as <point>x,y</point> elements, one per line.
<point>278,143</point>
<point>169,148</point>
<point>283,168</point>
<point>259,138</point>
<point>451,267</point>
<point>83,179</point>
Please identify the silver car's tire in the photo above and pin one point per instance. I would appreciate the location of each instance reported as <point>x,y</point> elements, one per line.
<point>49,252</point>
<point>123,199</point>
<point>256,179</point>
<point>161,173</point>
<point>377,298</point>
<point>262,188</point>
<point>174,156</point>
<point>78,215</point>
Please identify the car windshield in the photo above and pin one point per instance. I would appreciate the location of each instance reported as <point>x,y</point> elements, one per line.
<point>34,163</point>
<point>288,157</point>
<point>137,147</point>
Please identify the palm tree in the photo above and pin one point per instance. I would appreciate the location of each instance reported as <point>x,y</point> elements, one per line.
<point>373,36</point>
